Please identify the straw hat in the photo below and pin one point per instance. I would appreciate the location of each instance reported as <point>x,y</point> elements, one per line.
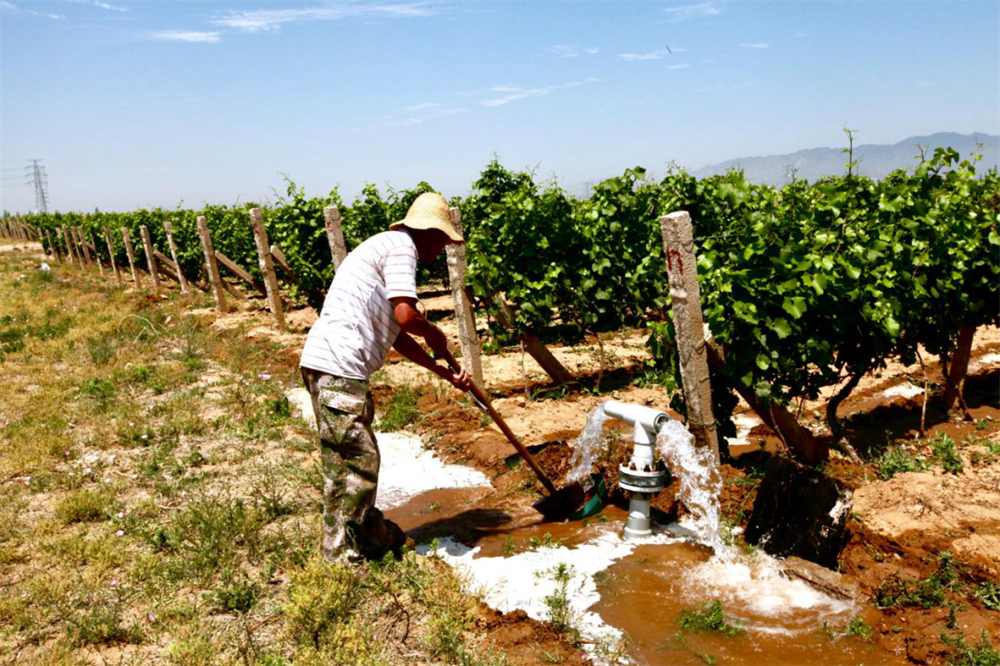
<point>430,211</point>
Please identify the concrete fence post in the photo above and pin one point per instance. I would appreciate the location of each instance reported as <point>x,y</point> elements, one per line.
<point>169,229</point>
<point>267,266</point>
<point>211,266</point>
<point>150,258</point>
<point>685,295</point>
<point>111,257</point>
<point>335,236</point>
<point>467,337</point>
<point>127,239</point>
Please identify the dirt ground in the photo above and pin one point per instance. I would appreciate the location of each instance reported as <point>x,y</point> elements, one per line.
<point>899,526</point>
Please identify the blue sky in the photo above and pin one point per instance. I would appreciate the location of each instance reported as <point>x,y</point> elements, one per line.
<point>144,103</point>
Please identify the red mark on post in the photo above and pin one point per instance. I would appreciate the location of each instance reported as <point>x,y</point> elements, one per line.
<point>680,262</point>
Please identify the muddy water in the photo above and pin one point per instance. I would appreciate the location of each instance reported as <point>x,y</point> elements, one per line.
<point>643,593</point>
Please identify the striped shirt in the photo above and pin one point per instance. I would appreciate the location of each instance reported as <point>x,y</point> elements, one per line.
<point>357,325</point>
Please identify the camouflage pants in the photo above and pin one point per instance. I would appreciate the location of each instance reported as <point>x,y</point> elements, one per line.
<point>344,412</point>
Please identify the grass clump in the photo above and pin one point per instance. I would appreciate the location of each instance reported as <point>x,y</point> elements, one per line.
<point>926,593</point>
<point>82,506</point>
<point>961,653</point>
<point>559,612</point>
<point>988,595</point>
<point>859,628</point>
<point>709,618</point>
<point>234,593</point>
<point>400,411</point>
<point>946,453</point>
<point>896,461</point>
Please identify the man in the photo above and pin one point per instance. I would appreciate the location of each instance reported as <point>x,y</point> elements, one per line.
<point>371,306</point>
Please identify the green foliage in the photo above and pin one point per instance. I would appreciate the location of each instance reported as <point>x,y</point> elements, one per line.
<point>558,610</point>
<point>709,618</point>
<point>946,453</point>
<point>235,593</point>
<point>926,593</point>
<point>896,461</point>
<point>961,653</point>
<point>802,284</point>
<point>82,506</point>
<point>988,594</point>
<point>400,411</point>
<point>858,627</point>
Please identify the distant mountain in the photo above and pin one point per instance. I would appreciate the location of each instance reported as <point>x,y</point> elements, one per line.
<point>877,160</point>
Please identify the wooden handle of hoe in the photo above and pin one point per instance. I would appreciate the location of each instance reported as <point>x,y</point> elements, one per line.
<point>504,428</point>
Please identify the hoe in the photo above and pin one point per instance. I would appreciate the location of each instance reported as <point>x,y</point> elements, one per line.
<point>560,503</point>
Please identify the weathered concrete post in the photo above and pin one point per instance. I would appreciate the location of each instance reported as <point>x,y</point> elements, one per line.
<point>93,245</point>
<point>136,282</point>
<point>52,248</point>
<point>84,252</point>
<point>169,229</point>
<point>335,236</point>
<point>463,308</point>
<point>211,266</point>
<point>685,295</point>
<point>111,257</point>
<point>267,266</point>
<point>150,258</point>
<point>69,246</point>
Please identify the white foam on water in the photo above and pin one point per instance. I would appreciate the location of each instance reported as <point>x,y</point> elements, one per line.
<point>522,581</point>
<point>984,362</point>
<point>905,390</point>
<point>754,589</point>
<point>744,424</point>
<point>407,468</point>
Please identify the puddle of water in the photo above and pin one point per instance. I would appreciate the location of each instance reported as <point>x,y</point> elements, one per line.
<point>905,390</point>
<point>407,469</point>
<point>644,595</point>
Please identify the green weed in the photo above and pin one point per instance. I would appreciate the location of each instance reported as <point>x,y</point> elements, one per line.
<point>896,461</point>
<point>400,411</point>
<point>559,612</point>
<point>961,653</point>
<point>988,595</point>
<point>709,618</point>
<point>859,628</point>
<point>946,453</point>
<point>234,593</point>
<point>82,506</point>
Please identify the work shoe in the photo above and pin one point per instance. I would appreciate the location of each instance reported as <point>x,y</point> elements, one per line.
<point>379,536</point>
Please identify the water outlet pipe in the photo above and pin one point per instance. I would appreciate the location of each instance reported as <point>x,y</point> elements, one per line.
<point>642,476</point>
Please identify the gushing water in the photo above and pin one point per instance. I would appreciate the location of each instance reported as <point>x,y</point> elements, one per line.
<point>700,482</point>
<point>587,445</point>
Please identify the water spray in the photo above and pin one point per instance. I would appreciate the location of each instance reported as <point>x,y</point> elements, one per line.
<point>643,476</point>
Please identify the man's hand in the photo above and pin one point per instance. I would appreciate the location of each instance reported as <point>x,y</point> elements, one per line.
<point>461,380</point>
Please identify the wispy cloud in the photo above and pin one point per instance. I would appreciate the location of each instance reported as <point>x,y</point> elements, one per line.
<point>681,66</point>
<point>755,45</point>
<point>510,94</point>
<point>102,5</point>
<point>571,50</point>
<point>689,12</point>
<point>190,36</point>
<point>263,20</point>
<point>423,106</point>
<point>11,7</point>
<point>635,57</point>
<point>419,113</point>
